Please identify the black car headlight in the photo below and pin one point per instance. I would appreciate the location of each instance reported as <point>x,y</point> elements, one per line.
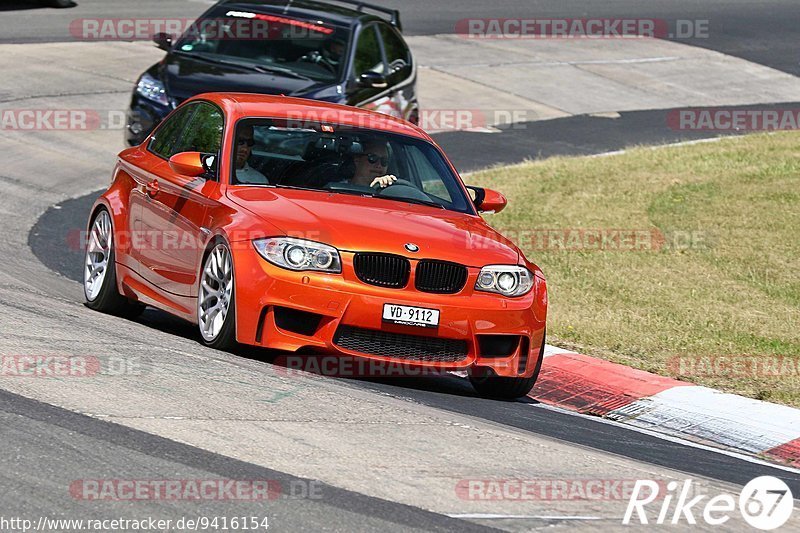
<point>152,89</point>
<point>299,254</point>
<point>508,280</point>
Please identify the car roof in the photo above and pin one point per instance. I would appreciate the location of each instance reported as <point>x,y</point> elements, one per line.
<point>251,105</point>
<point>308,9</point>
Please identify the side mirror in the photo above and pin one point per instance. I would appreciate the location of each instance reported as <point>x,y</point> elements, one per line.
<point>372,80</point>
<point>488,200</point>
<point>192,164</point>
<point>163,40</point>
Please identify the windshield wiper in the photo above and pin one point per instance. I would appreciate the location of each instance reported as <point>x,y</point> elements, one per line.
<point>365,195</point>
<point>412,201</point>
<point>284,71</point>
<point>264,69</point>
<point>396,198</point>
<point>214,59</point>
<point>295,187</point>
<point>351,193</point>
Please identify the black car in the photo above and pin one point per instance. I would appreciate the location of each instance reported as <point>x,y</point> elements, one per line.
<point>346,52</point>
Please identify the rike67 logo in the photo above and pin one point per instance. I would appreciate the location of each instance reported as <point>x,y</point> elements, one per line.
<point>766,503</point>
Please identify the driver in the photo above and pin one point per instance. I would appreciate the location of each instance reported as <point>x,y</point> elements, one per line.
<point>371,165</point>
<point>245,174</point>
<point>330,56</point>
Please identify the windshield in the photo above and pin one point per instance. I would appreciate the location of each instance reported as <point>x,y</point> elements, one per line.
<point>346,160</point>
<point>266,42</point>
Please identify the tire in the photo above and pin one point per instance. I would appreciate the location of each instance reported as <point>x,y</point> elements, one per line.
<point>503,388</point>
<point>100,273</point>
<point>217,291</point>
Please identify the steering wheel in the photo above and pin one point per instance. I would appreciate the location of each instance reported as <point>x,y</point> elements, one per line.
<point>401,188</point>
<point>311,57</point>
<point>316,58</point>
<point>396,182</point>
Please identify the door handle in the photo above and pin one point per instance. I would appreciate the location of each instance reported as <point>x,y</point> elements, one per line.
<point>152,188</point>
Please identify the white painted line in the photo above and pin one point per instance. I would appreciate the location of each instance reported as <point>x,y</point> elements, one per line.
<point>669,145</point>
<point>670,438</point>
<point>488,516</point>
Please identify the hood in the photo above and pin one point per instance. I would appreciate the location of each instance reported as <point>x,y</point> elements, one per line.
<point>363,224</point>
<point>185,77</point>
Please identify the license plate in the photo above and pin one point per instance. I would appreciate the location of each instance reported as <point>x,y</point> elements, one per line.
<point>411,316</point>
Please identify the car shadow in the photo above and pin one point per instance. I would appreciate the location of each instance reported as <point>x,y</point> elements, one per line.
<point>22,5</point>
<point>321,364</point>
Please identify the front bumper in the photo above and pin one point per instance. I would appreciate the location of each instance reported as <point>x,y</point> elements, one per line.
<point>342,303</point>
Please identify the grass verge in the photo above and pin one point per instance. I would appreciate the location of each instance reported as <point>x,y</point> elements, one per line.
<point>699,273</point>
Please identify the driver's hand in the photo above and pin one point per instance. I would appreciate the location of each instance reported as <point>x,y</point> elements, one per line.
<point>312,57</point>
<point>383,181</point>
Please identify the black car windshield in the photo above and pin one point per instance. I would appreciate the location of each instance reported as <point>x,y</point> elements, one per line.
<point>268,42</point>
<point>344,159</point>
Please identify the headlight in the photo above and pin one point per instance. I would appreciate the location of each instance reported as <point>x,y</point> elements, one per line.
<point>299,254</point>
<point>507,280</point>
<point>152,89</point>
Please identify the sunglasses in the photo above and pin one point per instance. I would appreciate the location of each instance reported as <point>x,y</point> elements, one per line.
<point>249,142</point>
<point>374,158</point>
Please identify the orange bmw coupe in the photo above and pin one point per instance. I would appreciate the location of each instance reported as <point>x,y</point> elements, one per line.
<point>289,223</point>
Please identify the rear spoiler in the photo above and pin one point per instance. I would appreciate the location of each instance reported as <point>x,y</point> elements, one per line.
<point>394,14</point>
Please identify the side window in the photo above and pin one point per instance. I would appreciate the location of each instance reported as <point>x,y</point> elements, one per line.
<point>397,54</point>
<point>368,53</point>
<point>162,142</point>
<point>203,133</point>
<point>429,176</point>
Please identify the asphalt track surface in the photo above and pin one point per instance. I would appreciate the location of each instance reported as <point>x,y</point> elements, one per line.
<point>764,32</point>
<point>46,445</point>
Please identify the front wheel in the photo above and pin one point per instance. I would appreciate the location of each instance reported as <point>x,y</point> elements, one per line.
<point>490,385</point>
<point>100,272</point>
<point>216,309</point>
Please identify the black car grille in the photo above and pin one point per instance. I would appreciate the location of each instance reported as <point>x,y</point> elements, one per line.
<point>440,277</point>
<point>383,270</point>
<point>400,346</point>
